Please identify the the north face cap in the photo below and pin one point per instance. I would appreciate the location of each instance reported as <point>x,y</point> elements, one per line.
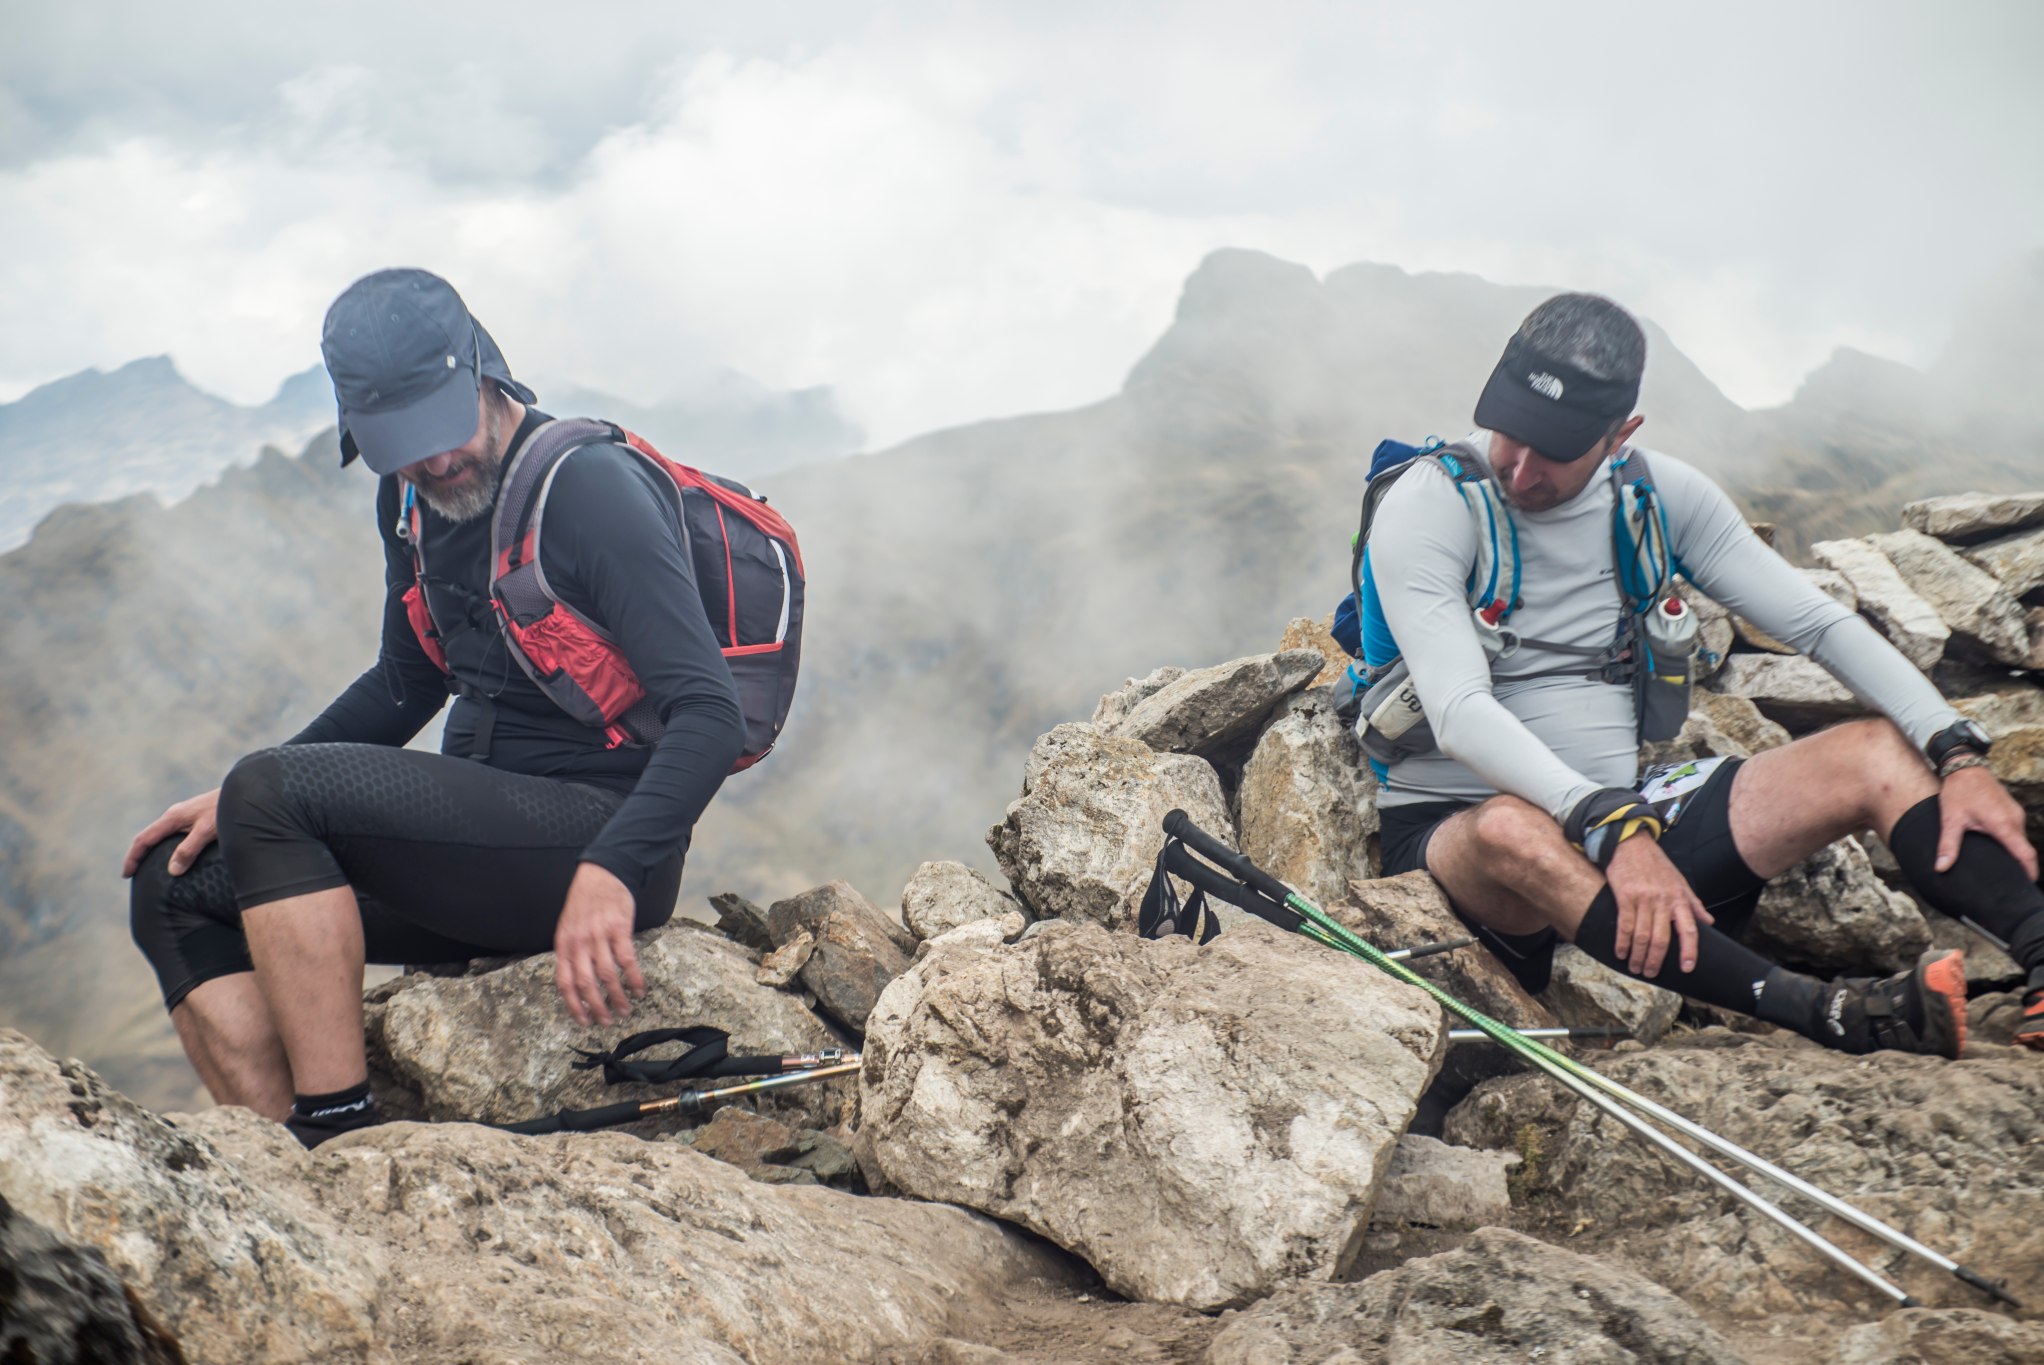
<point>407,362</point>
<point>1551,405</point>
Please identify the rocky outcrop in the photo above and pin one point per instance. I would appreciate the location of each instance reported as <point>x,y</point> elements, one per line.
<point>1308,801</point>
<point>1911,623</point>
<point>1436,1185</point>
<point>1199,1123</point>
<point>1082,840</point>
<point>1830,913</point>
<point>942,896</point>
<point>1303,632</point>
<point>1963,518</point>
<point>1585,993</point>
<point>1938,1336</point>
<point>2016,561</point>
<point>1793,690</point>
<point>497,1047</point>
<point>1406,911</point>
<point>857,948</point>
<point>1201,710</point>
<point>62,1304</point>
<point>1502,1298</point>
<point>445,1243</point>
<point>1941,1150</point>
<point>1113,708</point>
<point>1985,621</point>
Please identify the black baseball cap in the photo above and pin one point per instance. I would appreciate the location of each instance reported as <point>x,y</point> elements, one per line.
<point>407,361</point>
<point>1551,405</point>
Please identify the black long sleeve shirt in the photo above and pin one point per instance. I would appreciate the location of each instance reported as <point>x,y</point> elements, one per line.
<point>612,551</point>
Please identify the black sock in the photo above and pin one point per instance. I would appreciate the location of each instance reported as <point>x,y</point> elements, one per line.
<point>1728,973</point>
<point>315,1118</point>
<point>1986,887</point>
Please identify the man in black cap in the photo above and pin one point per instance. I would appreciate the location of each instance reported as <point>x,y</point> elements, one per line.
<point>1531,812</point>
<point>529,830</point>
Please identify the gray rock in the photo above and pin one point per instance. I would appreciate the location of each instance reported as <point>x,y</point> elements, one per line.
<point>1502,1298</point>
<point>1082,840</point>
<point>1113,708</point>
<point>1910,622</point>
<point>62,1304</point>
<point>1199,1123</point>
<point>1962,518</point>
<point>858,948</point>
<point>1210,706</point>
<point>786,962</point>
<point>1793,691</point>
<point>2003,706</point>
<point>1987,965</point>
<point>942,896</point>
<point>497,1048</point>
<point>1944,1151</point>
<point>452,1242</point>
<point>1408,910</point>
<point>1984,619</point>
<point>1308,801</point>
<point>739,920</point>
<point>1303,632</point>
<point>1437,1185</point>
<point>1940,1336</point>
<point>1584,993</point>
<point>1831,913</point>
<point>2016,562</point>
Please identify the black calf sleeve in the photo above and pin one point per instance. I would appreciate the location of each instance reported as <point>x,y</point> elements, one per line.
<point>1728,973</point>
<point>1986,887</point>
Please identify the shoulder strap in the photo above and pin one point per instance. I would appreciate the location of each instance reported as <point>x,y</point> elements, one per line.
<point>1494,578</point>
<point>1643,556</point>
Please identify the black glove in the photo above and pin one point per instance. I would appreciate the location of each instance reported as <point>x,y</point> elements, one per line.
<point>1605,819</point>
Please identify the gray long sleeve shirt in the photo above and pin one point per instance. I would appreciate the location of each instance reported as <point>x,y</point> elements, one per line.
<point>1553,740</point>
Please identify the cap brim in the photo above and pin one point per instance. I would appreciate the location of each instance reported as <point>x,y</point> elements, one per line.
<point>443,420</point>
<point>1551,428</point>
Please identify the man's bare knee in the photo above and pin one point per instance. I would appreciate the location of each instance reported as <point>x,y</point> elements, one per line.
<point>1515,838</point>
<point>1880,772</point>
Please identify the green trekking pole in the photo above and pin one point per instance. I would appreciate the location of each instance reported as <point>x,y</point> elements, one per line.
<point>1600,1090</point>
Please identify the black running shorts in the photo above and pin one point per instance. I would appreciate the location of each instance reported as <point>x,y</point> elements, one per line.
<point>449,859</point>
<point>1695,798</point>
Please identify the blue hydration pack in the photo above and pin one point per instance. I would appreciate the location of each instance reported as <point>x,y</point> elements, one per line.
<point>1389,718</point>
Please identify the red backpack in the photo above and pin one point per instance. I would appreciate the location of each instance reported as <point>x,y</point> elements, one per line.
<point>748,568</point>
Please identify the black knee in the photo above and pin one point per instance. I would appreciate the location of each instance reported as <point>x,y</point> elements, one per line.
<point>149,893</point>
<point>187,926</point>
<point>254,792</point>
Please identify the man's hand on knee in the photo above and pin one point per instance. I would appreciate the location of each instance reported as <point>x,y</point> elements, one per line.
<point>197,818</point>
<point>1655,905</point>
<point>594,962</point>
<point>1973,800</point>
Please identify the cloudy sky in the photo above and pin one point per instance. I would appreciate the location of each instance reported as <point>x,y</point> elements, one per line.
<point>950,212</point>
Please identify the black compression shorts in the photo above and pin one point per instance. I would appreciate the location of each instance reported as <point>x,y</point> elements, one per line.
<point>449,859</point>
<point>1696,801</point>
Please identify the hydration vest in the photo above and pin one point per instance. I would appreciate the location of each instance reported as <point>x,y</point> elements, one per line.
<point>748,570</point>
<point>1389,718</point>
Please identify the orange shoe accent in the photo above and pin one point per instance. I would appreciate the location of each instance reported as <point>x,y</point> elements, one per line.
<point>1947,977</point>
<point>2030,1029</point>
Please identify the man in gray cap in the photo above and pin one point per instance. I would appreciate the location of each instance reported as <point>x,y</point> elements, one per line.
<point>259,903</point>
<point>1524,799</point>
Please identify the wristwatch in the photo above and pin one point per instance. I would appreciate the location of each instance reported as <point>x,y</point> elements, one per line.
<point>1962,736</point>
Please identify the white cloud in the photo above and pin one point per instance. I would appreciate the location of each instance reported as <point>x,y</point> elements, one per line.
<point>957,214</point>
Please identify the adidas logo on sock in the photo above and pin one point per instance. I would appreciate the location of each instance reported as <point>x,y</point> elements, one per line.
<point>336,1110</point>
<point>1831,1014</point>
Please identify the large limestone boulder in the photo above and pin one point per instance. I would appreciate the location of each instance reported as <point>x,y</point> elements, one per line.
<point>1082,841</point>
<point>1831,913</point>
<point>1944,1151</point>
<point>1199,1123</point>
<point>1308,801</point>
<point>498,1047</point>
<point>1910,622</point>
<point>1984,619</point>
<point>62,1304</point>
<point>857,948</point>
<point>1114,707</point>
<point>1208,707</point>
<point>1502,1298</point>
<point>1303,632</point>
<point>445,1243</point>
<point>1791,690</point>
<point>1963,518</point>
<point>1435,1184</point>
<point>2016,562</point>
<point>943,895</point>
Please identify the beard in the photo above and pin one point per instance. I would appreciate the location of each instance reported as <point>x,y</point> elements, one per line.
<point>469,487</point>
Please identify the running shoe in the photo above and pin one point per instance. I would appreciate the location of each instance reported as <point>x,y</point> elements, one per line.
<point>2030,1028</point>
<point>1920,1010</point>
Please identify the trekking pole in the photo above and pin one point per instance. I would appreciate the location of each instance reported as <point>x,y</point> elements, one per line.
<point>1471,1035</point>
<point>1584,1080</point>
<point>688,1104</point>
<point>1428,949</point>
